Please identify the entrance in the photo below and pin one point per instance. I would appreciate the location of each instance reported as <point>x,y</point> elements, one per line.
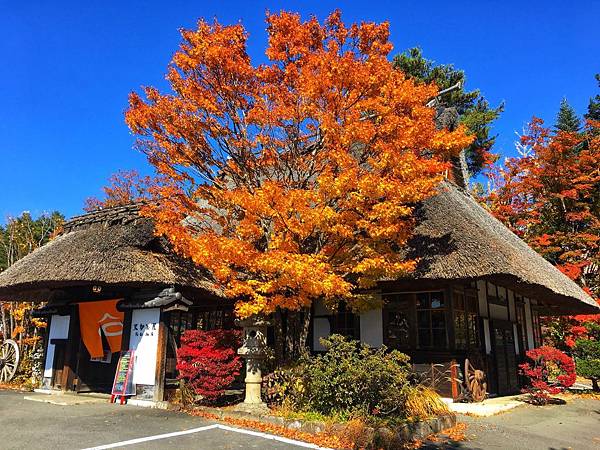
<point>73,369</point>
<point>505,358</point>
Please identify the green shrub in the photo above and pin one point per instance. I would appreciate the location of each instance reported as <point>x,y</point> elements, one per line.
<point>349,380</point>
<point>587,360</point>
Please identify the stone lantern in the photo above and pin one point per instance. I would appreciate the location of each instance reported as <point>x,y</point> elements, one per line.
<point>254,351</point>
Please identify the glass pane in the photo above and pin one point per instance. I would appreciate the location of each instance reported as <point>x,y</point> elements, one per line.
<point>439,338</point>
<point>423,300</point>
<point>398,329</point>
<point>472,304</point>
<point>459,301</point>
<point>424,338</point>
<point>438,319</point>
<point>423,319</point>
<point>437,300</point>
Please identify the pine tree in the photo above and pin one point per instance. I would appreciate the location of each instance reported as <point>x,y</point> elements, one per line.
<point>566,119</point>
<point>474,110</point>
<point>593,112</point>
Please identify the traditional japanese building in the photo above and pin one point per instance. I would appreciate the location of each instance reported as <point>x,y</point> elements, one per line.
<point>110,284</point>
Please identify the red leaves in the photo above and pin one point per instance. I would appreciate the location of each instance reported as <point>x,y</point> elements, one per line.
<point>549,196</point>
<point>550,372</point>
<point>208,361</point>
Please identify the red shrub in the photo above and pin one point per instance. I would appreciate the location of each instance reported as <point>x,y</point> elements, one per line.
<point>550,372</point>
<point>208,361</point>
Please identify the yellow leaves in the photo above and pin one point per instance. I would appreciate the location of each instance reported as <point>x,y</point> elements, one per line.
<point>297,179</point>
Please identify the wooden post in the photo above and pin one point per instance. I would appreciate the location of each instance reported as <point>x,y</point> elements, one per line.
<point>453,379</point>
<point>161,359</point>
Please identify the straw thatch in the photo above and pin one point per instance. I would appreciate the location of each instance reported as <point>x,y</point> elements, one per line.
<point>113,247</point>
<point>456,238</point>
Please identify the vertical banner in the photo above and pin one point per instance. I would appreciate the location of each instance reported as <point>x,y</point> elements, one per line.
<point>96,319</point>
<point>144,341</point>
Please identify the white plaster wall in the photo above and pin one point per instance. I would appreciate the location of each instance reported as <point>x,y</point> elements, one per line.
<point>321,329</point>
<point>482,297</point>
<point>487,336</point>
<point>320,309</point>
<point>516,334</point>
<point>498,312</point>
<point>59,329</point>
<point>529,324</point>
<point>371,327</point>
<point>511,306</point>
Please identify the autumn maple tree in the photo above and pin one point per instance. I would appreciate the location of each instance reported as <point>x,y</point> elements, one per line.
<point>293,180</point>
<point>124,187</point>
<point>550,196</point>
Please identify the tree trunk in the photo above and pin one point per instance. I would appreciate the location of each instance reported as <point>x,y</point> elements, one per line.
<point>279,331</point>
<point>291,334</point>
<point>595,386</point>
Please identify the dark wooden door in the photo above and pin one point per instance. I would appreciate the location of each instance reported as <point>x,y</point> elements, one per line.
<point>58,363</point>
<point>505,358</point>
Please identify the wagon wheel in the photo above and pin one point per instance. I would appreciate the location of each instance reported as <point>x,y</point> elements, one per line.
<point>475,381</point>
<point>9,360</point>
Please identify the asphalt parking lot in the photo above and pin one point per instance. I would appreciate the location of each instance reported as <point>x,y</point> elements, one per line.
<point>26,424</point>
<point>575,425</point>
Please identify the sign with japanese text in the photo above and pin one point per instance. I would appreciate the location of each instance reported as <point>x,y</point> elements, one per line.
<point>143,339</point>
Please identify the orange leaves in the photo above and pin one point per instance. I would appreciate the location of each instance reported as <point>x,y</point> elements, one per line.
<point>296,179</point>
<point>124,187</point>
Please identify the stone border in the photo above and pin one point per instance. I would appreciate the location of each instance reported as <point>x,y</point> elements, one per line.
<point>407,432</point>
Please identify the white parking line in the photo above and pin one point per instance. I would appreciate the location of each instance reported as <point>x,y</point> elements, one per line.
<point>206,428</point>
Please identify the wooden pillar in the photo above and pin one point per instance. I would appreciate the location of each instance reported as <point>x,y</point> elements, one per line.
<point>70,381</point>
<point>161,359</point>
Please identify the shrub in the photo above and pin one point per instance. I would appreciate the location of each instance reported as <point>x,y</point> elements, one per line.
<point>587,360</point>
<point>208,361</point>
<point>549,371</point>
<point>351,378</point>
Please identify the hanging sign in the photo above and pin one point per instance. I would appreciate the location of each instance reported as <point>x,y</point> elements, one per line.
<point>123,385</point>
<point>145,325</point>
<point>97,319</point>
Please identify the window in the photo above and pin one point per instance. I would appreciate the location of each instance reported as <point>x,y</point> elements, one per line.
<point>194,319</point>
<point>214,319</point>
<point>179,322</point>
<point>398,320</point>
<point>466,329</point>
<point>345,322</point>
<point>431,320</point>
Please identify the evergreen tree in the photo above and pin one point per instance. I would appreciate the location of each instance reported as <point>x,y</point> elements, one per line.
<point>566,119</point>
<point>593,112</point>
<point>475,111</point>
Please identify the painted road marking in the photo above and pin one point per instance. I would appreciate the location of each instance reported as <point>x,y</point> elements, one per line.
<point>206,428</point>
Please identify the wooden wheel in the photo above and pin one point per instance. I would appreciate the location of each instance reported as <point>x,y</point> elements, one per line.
<point>9,360</point>
<point>475,381</point>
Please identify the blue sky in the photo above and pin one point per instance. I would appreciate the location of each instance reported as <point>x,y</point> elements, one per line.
<point>67,68</point>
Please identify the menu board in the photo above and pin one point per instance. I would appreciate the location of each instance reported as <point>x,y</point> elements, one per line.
<point>123,384</point>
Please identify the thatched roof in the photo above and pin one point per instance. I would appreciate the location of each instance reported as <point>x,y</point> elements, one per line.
<point>456,238</point>
<point>114,246</point>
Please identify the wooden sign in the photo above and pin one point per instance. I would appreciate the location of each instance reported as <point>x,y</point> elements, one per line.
<point>123,385</point>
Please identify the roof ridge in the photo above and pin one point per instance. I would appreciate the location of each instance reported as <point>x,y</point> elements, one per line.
<point>120,214</point>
